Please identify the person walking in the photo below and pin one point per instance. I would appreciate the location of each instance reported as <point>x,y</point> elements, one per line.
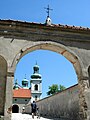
<point>38,113</point>
<point>33,109</point>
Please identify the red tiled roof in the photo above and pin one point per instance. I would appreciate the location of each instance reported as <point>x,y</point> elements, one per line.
<point>22,93</point>
<point>53,25</point>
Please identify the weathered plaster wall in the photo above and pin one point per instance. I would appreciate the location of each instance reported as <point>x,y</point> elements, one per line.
<point>63,105</point>
<point>3,73</point>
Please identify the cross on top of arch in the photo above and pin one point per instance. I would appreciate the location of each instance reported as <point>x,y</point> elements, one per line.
<point>48,10</point>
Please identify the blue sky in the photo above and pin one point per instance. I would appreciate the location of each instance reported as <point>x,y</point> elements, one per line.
<point>54,68</point>
<point>71,12</point>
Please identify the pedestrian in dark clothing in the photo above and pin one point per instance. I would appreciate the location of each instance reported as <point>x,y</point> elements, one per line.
<point>33,108</point>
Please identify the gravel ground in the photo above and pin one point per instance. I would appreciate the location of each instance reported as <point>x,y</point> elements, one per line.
<point>19,116</point>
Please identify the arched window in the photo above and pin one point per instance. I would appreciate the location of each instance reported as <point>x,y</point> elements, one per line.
<point>36,87</point>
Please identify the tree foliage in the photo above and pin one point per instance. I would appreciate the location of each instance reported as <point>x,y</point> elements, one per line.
<point>55,88</point>
<point>61,88</point>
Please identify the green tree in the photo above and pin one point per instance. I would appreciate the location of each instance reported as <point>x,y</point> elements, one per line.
<point>61,88</point>
<point>55,88</point>
<point>52,89</point>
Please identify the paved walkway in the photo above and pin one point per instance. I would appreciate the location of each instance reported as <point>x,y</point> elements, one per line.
<point>19,116</point>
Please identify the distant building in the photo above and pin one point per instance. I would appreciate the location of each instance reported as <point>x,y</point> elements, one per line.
<point>23,95</point>
<point>36,84</point>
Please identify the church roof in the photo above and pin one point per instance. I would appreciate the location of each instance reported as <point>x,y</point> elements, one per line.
<point>22,93</point>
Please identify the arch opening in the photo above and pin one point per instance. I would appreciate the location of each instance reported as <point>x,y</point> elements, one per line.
<point>54,47</point>
<point>15,109</point>
<point>52,68</point>
<point>62,50</point>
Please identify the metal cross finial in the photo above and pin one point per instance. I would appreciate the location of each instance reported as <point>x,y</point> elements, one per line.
<point>25,76</point>
<point>36,62</point>
<point>48,10</point>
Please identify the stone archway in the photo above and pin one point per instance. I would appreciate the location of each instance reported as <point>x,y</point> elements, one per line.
<point>55,47</point>
<point>15,109</point>
<point>18,38</point>
<point>69,55</point>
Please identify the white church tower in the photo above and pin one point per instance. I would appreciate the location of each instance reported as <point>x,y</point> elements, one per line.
<point>36,84</point>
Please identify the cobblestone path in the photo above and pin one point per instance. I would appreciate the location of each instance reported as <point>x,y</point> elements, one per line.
<point>19,116</point>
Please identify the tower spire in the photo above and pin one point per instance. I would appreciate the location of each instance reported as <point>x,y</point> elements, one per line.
<point>36,62</point>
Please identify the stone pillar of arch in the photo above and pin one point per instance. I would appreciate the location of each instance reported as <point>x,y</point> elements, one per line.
<point>84,96</point>
<point>9,96</point>
<point>3,74</point>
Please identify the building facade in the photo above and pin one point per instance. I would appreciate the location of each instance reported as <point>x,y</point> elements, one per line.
<point>23,95</point>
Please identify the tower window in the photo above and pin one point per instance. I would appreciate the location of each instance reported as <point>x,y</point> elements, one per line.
<point>36,87</point>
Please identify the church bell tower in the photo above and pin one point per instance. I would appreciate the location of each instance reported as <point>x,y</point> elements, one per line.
<point>36,84</point>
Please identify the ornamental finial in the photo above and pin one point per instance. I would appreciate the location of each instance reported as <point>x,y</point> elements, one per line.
<point>48,10</point>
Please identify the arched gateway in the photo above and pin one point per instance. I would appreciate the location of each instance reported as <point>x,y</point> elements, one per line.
<point>19,38</point>
<point>15,109</point>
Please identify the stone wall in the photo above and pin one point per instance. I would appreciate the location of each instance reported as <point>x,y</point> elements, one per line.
<point>3,72</point>
<point>64,105</point>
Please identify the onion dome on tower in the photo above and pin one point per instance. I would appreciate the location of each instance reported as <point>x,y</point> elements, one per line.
<point>25,83</point>
<point>36,74</point>
<point>16,86</point>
